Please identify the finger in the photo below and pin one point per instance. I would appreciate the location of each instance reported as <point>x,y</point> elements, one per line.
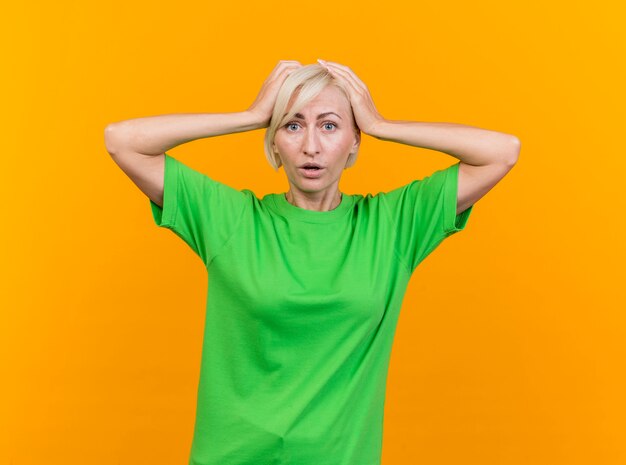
<point>282,73</point>
<point>345,71</point>
<point>289,63</point>
<point>340,66</point>
<point>353,86</point>
<point>282,64</point>
<point>349,75</point>
<point>341,77</point>
<point>290,69</point>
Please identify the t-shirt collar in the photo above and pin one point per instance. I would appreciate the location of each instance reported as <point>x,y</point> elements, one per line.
<point>282,206</point>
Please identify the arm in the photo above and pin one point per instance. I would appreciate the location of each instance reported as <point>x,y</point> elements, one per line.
<point>155,135</point>
<point>138,145</point>
<point>472,145</point>
<point>486,156</point>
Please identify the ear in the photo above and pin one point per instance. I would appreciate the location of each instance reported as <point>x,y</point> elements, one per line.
<point>357,140</point>
<point>277,155</point>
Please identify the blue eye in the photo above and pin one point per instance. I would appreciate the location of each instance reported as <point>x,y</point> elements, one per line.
<point>293,123</point>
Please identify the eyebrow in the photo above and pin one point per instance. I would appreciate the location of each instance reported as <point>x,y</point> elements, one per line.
<point>320,116</point>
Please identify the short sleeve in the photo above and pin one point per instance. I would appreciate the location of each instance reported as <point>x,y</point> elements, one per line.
<point>203,212</point>
<point>424,214</point>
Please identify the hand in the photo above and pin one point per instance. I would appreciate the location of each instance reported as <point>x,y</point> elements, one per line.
<point>263,106</point>
<point>365,113</point>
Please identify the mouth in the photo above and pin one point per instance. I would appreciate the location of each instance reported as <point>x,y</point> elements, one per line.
<point>310,165</point>
<point>311,171</point>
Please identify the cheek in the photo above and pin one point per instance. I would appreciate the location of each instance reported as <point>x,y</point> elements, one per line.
<point>343,147</point>
<point>285,144</point>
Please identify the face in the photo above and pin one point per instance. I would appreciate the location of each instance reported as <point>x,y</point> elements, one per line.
<point>323,140</point>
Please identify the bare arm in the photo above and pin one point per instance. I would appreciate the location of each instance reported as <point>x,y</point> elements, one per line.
<point>155,135</point>
<point>485,156</point>
<point>138,145</point>
<point>472,145</point>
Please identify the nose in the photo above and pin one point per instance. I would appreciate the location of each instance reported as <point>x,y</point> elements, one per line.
<point>310,143</point>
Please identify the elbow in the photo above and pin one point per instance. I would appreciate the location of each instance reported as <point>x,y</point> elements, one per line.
<point>514,151</point>
<point>112,138</point>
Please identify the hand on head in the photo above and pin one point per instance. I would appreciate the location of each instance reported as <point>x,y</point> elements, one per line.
<point>263,106</point>
<point>365,113</point>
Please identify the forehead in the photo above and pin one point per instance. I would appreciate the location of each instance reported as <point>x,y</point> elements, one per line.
<point>329,99</point>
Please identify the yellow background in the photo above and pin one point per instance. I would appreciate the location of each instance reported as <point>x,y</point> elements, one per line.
<point>510,348</point>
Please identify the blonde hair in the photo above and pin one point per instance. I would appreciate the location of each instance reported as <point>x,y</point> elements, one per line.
<point>305,83</point>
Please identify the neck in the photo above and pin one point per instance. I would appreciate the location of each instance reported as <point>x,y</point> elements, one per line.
<point>300,204</point>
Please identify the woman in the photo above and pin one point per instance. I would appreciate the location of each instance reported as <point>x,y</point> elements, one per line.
<point>305,287</point>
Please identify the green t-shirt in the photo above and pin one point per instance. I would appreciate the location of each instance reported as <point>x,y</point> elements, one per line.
<point>301,312</point>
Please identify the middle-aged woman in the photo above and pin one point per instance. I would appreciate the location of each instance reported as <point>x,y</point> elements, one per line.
<point>304,287</point>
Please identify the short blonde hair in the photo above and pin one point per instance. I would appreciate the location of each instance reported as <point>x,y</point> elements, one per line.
<point>307,83</point>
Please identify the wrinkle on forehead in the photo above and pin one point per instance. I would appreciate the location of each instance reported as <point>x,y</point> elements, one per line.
<point>335,101</point>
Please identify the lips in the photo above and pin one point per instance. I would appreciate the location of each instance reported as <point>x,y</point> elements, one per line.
<point>311,172</point>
